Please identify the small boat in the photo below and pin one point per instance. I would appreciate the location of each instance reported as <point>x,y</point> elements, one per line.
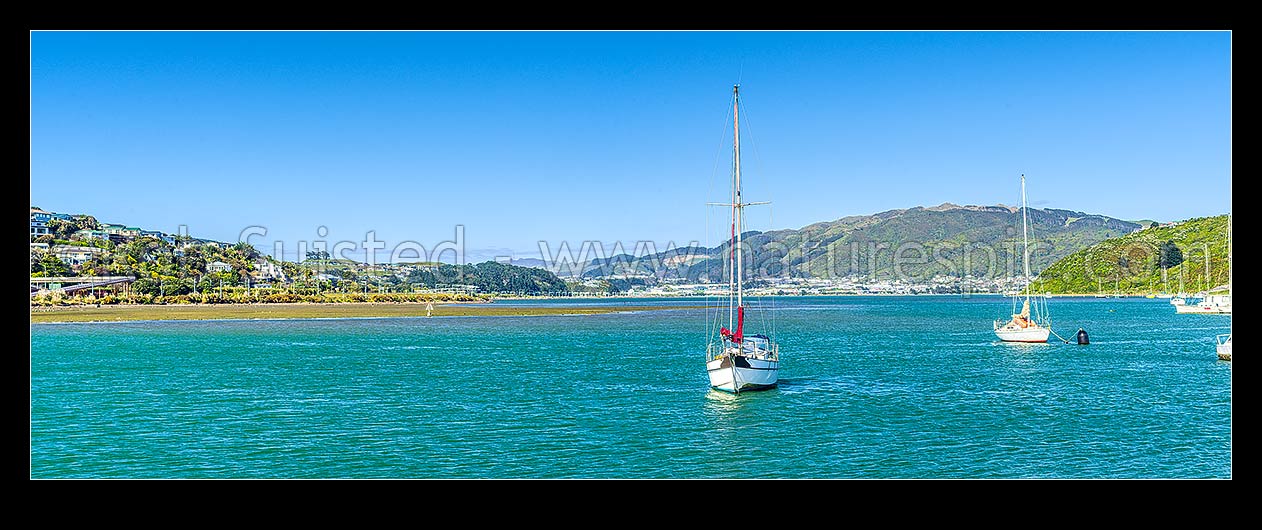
<point>737,362</point>
<point>1210,304</point>
<point>1224,346</point>
<point>1022,327</point>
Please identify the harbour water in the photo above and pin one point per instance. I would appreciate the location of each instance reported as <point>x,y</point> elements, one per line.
<point>870,387</point>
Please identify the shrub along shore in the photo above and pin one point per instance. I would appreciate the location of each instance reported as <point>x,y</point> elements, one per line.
<point>259,296</point>
<point>119,313</point>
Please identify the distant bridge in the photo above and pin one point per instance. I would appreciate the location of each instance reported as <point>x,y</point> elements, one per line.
<point>71,284</point>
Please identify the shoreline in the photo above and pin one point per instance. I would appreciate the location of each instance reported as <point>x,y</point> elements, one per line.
<point>702,297</point>
<point>302,311</point>
<point>351,310</point>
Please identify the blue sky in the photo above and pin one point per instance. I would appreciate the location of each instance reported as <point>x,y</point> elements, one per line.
<point>614,136</point>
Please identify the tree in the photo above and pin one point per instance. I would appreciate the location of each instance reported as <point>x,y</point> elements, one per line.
<point>172,286</point>
<point>46,238</point>
<point>1153,224</point>
<point>145,286</point>
<point>317,254</point>
<point>1169,255</point>
<point>86,222</point>
<point>60,229</point>
<point>248,251</point>
<point>52,266</point>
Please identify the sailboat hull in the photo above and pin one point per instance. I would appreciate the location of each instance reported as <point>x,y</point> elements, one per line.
<point>1203,309</point>
<point>728,376</point>
<point>1023,335</point>
<point>1224,348</point>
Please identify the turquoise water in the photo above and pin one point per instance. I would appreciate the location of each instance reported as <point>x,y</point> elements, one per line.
<point>870,387</point>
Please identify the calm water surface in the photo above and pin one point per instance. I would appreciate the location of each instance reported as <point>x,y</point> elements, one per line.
<point>871,387</point>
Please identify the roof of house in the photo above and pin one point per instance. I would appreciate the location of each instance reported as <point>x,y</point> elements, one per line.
<point>76,248</point>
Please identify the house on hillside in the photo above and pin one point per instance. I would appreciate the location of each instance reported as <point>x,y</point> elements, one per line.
<point>39,222</point>
<point>116,233</point>
<point>218,266</point>
<point>92,234</point>
<point>75,255</point>
<point>266,270</point>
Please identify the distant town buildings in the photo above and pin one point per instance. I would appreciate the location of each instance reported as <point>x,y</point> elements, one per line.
<point>826,286</point>
<point>112,232</point>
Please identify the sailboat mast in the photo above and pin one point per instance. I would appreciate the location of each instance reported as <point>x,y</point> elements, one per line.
<point>1207,284</point>
<point>736,192</point>
<point>1025,239</point>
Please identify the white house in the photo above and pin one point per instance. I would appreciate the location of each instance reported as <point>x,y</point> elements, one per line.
<point>266,269</point>
<point>75,255</point>
<point>218,266</point>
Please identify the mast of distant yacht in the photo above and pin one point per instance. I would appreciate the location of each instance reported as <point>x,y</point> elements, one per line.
<point>1208,285</point>
<point>736,193</point>
<point>1025,240</point>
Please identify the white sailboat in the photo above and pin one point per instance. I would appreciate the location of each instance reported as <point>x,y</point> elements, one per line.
<point>1023,327</point>
<point>736,361</point>
<point>1181,298</point>
<point>1224,346</point>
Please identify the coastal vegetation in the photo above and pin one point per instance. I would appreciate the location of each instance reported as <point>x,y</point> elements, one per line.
<point>279,311</point>
<point>1149,261</point>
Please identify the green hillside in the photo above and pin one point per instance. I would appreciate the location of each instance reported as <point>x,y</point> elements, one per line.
<point>949,240</point>
<point>1134,263</point>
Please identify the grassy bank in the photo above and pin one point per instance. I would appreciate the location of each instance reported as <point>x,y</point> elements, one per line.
<point>249,311</point>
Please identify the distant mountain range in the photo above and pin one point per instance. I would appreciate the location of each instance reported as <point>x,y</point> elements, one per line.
<point>910,244</point>
<point>1134,263</point>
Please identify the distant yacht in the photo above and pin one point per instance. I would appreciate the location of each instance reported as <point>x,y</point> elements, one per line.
<point>1209,303</point>
<point>735,361</point>
<point>1023,327</point>
<point>1224,347</point>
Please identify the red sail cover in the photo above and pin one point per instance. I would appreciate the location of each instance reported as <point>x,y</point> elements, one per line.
<point>740,327</point>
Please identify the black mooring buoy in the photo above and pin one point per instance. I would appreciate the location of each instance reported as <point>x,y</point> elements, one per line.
<point>1082,337</point>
